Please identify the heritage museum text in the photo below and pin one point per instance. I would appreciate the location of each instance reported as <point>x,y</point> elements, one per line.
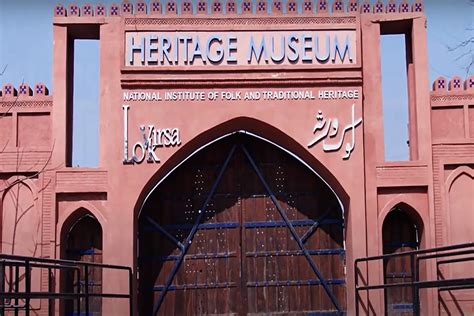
<point>239,48</point>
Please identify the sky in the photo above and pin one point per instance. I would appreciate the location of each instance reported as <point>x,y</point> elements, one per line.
<point>26,55</point>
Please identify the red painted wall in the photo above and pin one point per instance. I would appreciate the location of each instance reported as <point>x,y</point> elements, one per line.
<point>436,184</point>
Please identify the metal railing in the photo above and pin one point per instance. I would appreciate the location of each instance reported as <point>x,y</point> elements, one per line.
<point>16,294</point>
<point>450,254</point>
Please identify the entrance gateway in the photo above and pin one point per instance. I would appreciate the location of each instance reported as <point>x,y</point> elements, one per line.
<point>241,228</point>
<point>241,162</point>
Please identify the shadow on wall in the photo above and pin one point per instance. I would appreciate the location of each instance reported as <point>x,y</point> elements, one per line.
<point>20,229</point>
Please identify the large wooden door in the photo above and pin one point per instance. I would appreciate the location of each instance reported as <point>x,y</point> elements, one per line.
<point>241,228</point>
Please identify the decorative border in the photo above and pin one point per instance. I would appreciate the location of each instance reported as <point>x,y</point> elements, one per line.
<point>25,104</point>
<point>241,21</point>
<point>206,8</point>
<point>456,97</point>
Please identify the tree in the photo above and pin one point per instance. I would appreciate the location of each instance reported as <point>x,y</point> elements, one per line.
<point>465,48</point>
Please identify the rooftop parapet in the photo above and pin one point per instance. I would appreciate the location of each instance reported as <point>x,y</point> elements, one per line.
<point>9,90</point>
<point>24,91</point>
<point>25,98</point>
<point>456,84</point>
<point>260,7</point>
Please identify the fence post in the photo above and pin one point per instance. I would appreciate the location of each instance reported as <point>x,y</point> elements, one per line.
<point>130,290</point>
<point>27,287</point>
<point>78,286</point>
<point>416,303</point>
<point>2,287</point>
<point>356,283</point>
<point>50,290</point>
<point>17,287</point>
<point>86,288</point>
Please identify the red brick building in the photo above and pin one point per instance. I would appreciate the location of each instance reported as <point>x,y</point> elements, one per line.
<point>241,164</point>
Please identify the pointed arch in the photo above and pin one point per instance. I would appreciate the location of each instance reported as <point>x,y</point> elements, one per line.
<point>456,174</point>
<point>26,181</point>
<point>459,206</point>
<point>252,127</point>
<point>74,211</point>
<point>405,202</point>
<point>19,217</point>
<point>403,213</point>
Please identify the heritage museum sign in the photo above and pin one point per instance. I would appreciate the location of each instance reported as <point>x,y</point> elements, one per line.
<point>323,48</point>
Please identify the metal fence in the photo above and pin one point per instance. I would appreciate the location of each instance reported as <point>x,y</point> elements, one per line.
<point>17,291</point>
<point>449,255</point>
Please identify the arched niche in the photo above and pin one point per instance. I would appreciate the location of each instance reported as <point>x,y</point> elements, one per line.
<point>402,231</point>
<point>20,230</point>
<point>21,220</point>
<point>82,240</point>
<point>459,187</point>
<point>460,207</point>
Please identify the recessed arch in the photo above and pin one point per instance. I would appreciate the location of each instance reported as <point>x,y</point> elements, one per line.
<point>81,239</point>
<point>402,230</point>
<point>252,127</point>
<point>18,179</point>
<point>74,211</point>
<point>20,227</point>
<point>405,202</point>
<point>459,207</point>
<point>405,213</point>
<point>20,216</point>
<point>457,173</point>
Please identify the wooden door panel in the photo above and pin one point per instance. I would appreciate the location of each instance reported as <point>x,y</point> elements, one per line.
<point>243,259</point>
<point>84,243</point>
<point>399,235</point>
